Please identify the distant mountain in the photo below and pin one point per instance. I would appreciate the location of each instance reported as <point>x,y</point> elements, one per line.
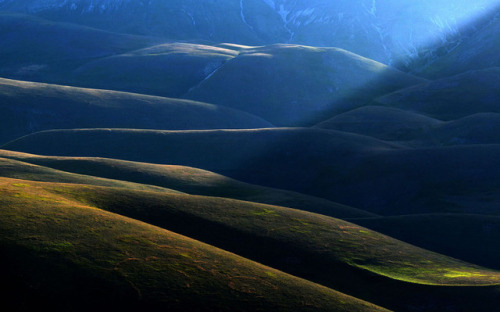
<point>33,48</point>
<point>476,49</point>
<point>288,85</point>
<point>383,30</point>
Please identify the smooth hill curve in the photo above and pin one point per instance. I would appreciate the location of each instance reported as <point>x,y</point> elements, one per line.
<point>336,253</point>
<point>292,85</point>
<point>381,122</point>
<point>185,179</point>
<point>26,107</point>
<point>451,97</point>
<point>355,170</point>
<point>87,257</point>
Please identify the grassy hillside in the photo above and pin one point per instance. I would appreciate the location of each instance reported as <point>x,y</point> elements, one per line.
<point>212,150</point>
<point>28,107</point>
<point>468,237</point>
<point>10,168</point>
<point>452,97</point>
<point>86,257</point>
<point>394,124</point>
<point>336,253</point>
<point>285,84</point>
<point>32,48</point>
<point>298,85</point>
<point>480,128</point>
<point>185,179</point>
<point>350,169</point>
<point>166,70</point>
<point>386,123</point>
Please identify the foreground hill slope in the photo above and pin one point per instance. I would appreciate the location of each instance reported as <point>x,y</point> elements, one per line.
<point>27,107</point>
<point>336,253</point>
<point>119,263</point>
<point>181,178</point>
<point>355,170</point>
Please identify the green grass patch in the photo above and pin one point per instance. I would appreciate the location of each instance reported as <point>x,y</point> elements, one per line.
<point>265,212</point>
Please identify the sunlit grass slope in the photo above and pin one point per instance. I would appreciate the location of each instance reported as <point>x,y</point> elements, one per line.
<point>86,257</point>
<point>185,179</point>
<point>343,242</point>
<point>10,168</point>
<point>333,239</point>
<point>26,107</point>
<point>335,253</point>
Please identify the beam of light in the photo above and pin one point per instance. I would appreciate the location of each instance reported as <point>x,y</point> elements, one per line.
<point>419,25</point>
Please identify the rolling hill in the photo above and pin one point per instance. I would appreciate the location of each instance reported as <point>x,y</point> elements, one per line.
<point>293,85</point>
<point>28,107</point>
<point>14,169</point>
<point>480,128</point>
<point>285,84</point>
<point>262,155</point>
<point>86,257</point>
<point>463,236</point>
<point>184,179</point>
<point>413,129</point>
<point>385,123</point>
<point>313,244</point>
<point>384,30</point>
<point>354,170</point>
<point>170,69</point>
<point>450,98</point>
